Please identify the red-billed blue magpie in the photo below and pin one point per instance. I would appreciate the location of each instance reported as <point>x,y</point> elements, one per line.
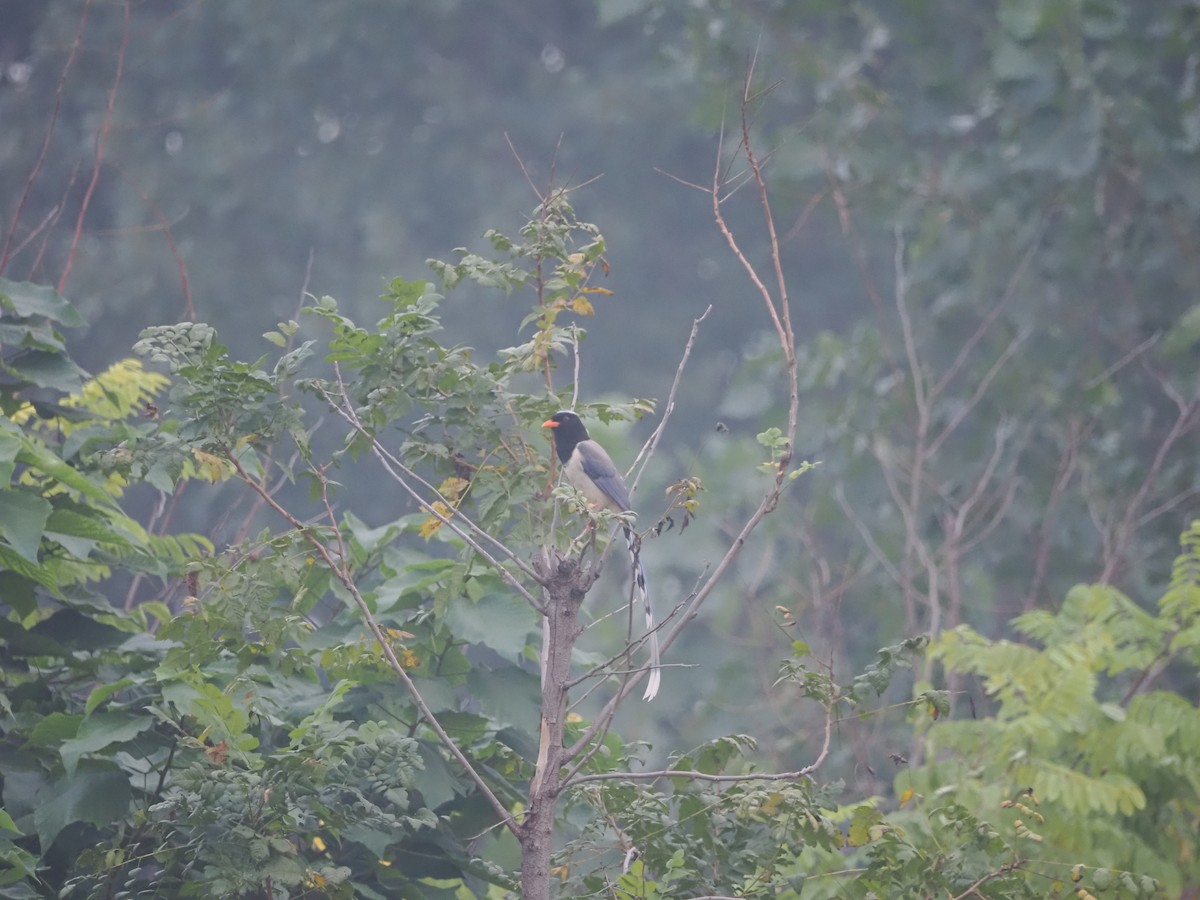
<point>590,469</point>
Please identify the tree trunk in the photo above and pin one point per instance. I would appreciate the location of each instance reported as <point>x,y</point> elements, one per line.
<point>566,585</point>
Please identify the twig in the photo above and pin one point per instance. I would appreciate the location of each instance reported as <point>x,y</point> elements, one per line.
<point>1185,422</point>
<point>1123,361</point>
<point>339,571</point>
<point>648,448</point>
<point>472,534</point>
<point>59,91</point>
<point>524,170</point>
<point>1076,432</point>
<point>189,310</point>
<point>910,510</point>
<point>41,226</point>
<point>980,389</point>
<point>1003,870</point>
<point>778,311</point>
<point>101,139</point>
<point>575,355</point>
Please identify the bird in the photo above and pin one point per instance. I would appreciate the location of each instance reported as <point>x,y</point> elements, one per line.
<point>589,468</point>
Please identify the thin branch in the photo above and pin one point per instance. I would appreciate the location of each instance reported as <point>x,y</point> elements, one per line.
<point>1010,290</point>
<point>980,389</point>
<point>524,170</point>
<point>1185,422</point>
<point>41,226</point>
<point>913,545</point>
<point>339,571</point>
<point>101,139</point>
<point>1076,432</point>
<point>1000,872</point>
<point>395,467</point>
<point>1123,361</point>
<point>780,317</point>
<point>59,209</point>
<point>576,357</point>
<point>164,225</point>
<point>647,451</point>
<point>839,492</point>
<point>59,91</point>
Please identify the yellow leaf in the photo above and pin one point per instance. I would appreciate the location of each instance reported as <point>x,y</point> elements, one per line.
<point>430,526</point>
<point>318,845</point>
<point>773,803</point>
<point>454,487</point>
<point>597,290</point>
<point>211,467</point>
<point>583,306</point>
<point>409,659</point>
<point>906,795</point>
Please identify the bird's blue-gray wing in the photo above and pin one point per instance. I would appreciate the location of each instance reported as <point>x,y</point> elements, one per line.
<point>597,467</point>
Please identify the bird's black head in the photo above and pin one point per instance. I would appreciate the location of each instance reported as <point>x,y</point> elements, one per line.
<point>569,430</point>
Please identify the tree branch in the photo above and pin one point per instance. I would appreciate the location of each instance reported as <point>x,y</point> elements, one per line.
<point>341,572</point>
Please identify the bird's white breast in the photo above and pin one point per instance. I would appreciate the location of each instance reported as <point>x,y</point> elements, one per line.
<point>579,479</point>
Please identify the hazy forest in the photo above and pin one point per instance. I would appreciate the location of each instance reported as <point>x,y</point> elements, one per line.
<point>887,311</point>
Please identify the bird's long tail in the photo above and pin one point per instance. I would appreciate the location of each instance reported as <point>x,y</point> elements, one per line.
<point>642,588</point>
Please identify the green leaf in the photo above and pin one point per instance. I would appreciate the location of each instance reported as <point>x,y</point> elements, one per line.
<point>22,522</point>
<point>861,822</point>
<point>38,457</point>
<point>102,692</point>
<point>16,563</point>
<point>7,822</point>
<point>46,369</point>
<point>83,524</point>
<point>503,622</point>
<point>10,445</point>
<point>211,706</point>
<point>55,728</point>
<point>18,591</point>
<point>101,730</point>
<point>510,696</point>
<point>24,298</point>
<point>97,793</point>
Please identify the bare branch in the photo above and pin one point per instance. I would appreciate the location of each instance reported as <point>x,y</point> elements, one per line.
<point>101,140</point>
<point>59,91</point>
<point>1010,290</point>
<point>1067,465</point>
<point>980,389</point>
<point>647,452</point>
<point>1003,870</point>
<point>1186,421</point>
<point>778,311</point>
